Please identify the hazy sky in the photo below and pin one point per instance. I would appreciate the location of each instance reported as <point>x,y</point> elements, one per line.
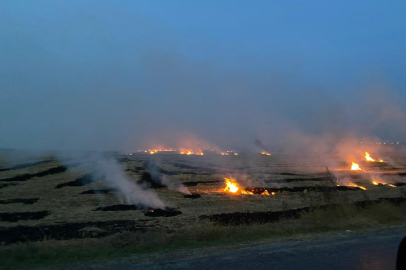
<point>118,74</point>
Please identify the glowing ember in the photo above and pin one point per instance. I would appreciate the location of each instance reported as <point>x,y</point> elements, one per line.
<point>368,157</point>
<point>265,153</point>
<point>154,151</point>
<point>382,184</point>
<point>186,151</point>
<point>190,152</point>
<point>355,167</point>
<point>354,185</point>
<point>246,192</point>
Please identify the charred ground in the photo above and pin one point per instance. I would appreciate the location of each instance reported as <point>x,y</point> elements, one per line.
<point>45,200</point>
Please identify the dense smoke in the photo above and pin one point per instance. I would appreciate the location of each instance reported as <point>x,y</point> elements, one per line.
<point>115,177</point>
<point>160,178</point>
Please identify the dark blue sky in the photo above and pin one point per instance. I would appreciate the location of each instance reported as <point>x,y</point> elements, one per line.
<point>108,74</point>
<point>329,40</point>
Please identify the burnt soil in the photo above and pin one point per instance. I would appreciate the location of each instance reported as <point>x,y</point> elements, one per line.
<point>10,235</point>
<point>3,185</point>
<point>81,181</point>
<point>239,218</point>
<point>168,212</point>
<point>23,166</point>
<point>192,196</point>
<point>288,180</point>
<point>28,176</point>
<point>150,181</point>
<point>98,191</point>
<point>302,189</point>
<point>17,216</point>
<point>118,207</point>
<point>75,213</point>
<point>24,201</point>
<point>193,184</point>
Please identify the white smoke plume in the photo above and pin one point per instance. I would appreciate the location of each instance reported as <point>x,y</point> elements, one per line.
<point>109,171</point>
<point>115,177</point>
<point>172,185</point>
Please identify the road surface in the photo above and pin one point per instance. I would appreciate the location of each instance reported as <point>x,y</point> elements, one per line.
<point>370,252</point>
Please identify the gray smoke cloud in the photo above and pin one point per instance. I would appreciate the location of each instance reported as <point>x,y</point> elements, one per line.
<point>115,177</point>
<point>174,185</point>
<point>106,169</point>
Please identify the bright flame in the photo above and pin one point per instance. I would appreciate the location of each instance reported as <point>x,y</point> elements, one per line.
<point>246,192</point>
<point>154,151</point>
<point>385,184</point>
<point>186,151</point>
<point>368,157</point>
<point>231,186</point>
<point>355,167</point>
<point>265,153</point>
<point>190,152</point>
<point>267,193</point>
<point>354,185</point>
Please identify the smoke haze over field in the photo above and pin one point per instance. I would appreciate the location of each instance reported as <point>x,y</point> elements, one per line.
<point>121,75</point>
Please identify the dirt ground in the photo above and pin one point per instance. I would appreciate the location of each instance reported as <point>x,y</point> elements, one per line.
<point>44,198</point>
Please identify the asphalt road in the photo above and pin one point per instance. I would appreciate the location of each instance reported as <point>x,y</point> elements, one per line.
<point>370,252</point>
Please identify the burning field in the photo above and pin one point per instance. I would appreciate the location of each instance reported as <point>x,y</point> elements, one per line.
<point>48,200</point>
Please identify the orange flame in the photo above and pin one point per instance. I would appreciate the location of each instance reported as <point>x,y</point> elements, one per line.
<point>368,157</point>
<point>190,152</point>
<point>154,151</point>
<point>246,192</point>
<point>355,167</point>
<point>385,184</point>
<point>265,153</point>
<point>354,185</point>
<point>231,186</point>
